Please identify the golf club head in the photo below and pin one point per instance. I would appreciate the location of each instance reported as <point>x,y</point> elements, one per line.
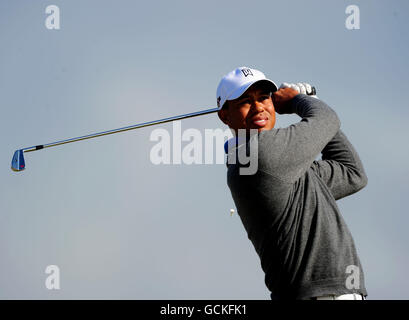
<point>18,164</point>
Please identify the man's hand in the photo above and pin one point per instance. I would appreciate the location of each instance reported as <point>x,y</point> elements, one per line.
<point>282,100</point>
<point>287,91</point>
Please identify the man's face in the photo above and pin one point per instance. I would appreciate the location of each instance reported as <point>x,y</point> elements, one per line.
<point>253,110</point>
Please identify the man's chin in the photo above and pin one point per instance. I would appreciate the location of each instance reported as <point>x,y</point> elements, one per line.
<point>250,131</point>
<point>261,128</point>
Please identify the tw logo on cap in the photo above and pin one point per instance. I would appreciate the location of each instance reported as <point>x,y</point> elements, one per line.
<point>247,72</point>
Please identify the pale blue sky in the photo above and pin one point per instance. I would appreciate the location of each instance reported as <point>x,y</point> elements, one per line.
<point>120,227</point>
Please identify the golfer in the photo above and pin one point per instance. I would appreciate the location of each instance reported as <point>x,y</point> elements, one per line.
<point>288,207</point>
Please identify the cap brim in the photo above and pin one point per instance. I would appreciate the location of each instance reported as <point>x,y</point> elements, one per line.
<point>237,94</point>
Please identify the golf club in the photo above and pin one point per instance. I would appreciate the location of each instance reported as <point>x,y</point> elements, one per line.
<point>18,163</point>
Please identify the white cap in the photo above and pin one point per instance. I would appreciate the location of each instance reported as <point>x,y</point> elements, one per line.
<point>236,82</point>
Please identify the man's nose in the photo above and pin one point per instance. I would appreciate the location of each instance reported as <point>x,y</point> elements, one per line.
<point>257,106</point>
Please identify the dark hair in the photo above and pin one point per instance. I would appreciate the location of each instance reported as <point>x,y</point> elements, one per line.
<point>265,85</point>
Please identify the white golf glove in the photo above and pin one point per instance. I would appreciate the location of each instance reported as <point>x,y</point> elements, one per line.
<point>301,87</point>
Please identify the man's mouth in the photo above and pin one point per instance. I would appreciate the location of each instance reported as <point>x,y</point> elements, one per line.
<point>259,121</point>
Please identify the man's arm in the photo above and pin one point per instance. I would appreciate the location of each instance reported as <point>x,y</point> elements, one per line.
<point>287,153</point>
<point>340,167</point>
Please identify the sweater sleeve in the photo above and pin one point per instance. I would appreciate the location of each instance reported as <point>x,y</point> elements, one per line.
<point>286,153</point>
<point>341,168</point>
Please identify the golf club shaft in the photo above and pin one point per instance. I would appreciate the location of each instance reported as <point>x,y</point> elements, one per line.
<point>136,126</point>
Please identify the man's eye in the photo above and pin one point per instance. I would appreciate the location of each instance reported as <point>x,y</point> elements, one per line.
<point>264,97</point>
<point>243,102</point>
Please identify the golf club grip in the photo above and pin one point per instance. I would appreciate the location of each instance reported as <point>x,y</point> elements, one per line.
<point>313,92</point>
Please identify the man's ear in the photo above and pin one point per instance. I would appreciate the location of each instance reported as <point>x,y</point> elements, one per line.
<point>223,115</point>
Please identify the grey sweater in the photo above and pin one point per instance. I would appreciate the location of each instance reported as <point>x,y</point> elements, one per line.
<point>289,210</point>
